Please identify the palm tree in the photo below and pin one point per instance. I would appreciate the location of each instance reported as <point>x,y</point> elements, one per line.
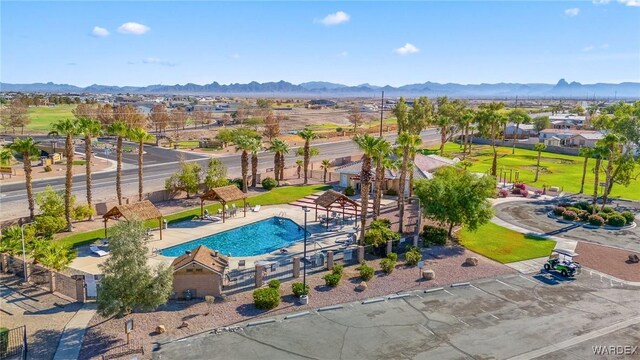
<point>307,135</point>
<point>539,147</point>
<point>612,144</point>
<point>6,156</point>
<point>140,136</point>
<point>586,153</point>
<point>89,128</point>
<point>369,146</point>
<point>407,142</point>
<point>325,165</point>
<point>119,129</point>
<point>69,128</point>
<point>518,116</point>
<point>299,163</point>
<point>598,153</point>
<point>382,152</point>
<point>27,147</point>
<point>279,147</point>
<point>490,120</point>
<point>256,145</point>
<point>244,144</point>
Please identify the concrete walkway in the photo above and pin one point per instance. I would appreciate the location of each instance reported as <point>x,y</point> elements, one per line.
<point>73,334</point>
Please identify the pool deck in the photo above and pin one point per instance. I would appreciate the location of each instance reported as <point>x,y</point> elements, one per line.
<point>320,237</point>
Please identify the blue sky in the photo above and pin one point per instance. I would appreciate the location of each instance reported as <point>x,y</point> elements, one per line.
<point>142,43</point>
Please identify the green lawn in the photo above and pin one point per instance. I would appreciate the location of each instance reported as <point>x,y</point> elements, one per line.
<point>504,245</point>
<point>281,195</point>
<point>555,169</point>
<point>42,116</point>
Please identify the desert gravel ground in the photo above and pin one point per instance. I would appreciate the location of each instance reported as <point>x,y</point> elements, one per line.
<point>446,262</point>
<point>608,260</point>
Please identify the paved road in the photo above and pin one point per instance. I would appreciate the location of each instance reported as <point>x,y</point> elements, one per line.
<point>514,317</point>
<point>159,165</point>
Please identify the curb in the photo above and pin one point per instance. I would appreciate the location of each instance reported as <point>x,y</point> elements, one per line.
<point>429,291</point>
<point>261,322</point>
<point>372,301</point>
<point>461,284</point>
<point>297,315</point>
<point>327,308</point>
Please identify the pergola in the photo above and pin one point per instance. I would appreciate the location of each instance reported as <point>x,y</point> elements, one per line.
<point>224,195</point>
<point>143,210</point>
<point>331,199</point>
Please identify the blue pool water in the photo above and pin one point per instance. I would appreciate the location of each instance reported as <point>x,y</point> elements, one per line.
<point>257,238</point>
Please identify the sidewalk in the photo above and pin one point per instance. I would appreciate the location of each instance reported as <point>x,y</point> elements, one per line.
<point>73,334</point>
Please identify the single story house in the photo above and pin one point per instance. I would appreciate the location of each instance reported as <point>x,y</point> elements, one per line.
<point>552,141</point>
<point>565,134</point>
<point>577,120</point>
<point>423,168</point>
<point>523,131</point>
<point>585,139</point>
<point>200,272</point>
<point>563,124</point>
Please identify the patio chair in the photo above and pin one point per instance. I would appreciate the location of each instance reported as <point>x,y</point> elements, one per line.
<point>96,250</point>
<point>241,264</point>
<point>256,208</point>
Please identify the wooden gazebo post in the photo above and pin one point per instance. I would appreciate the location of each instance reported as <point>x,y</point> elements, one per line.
<point>223,203</point>
<point>160,223</point>
<point>105,227</point>
<point>244,204</point>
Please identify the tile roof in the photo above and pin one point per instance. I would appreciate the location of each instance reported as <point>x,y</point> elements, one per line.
<point>204,256</point>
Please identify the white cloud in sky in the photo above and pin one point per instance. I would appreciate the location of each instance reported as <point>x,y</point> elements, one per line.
<point>406,49</point>
<point>624,2</point>
<point>588,48</point>
<point>592,47</point>
<point>156,61</point>
<point>343,54</point>
<point>133,28</point>
<point>335,19</point>
<point>601,2</point>
<point>572,12</point>
<point>99,31</point>
<point>235,56</point>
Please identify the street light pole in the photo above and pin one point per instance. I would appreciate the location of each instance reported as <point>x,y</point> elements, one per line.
<point>304,270</point>
<point>24,253</point>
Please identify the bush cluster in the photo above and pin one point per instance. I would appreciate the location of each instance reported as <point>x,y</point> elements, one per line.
<point>48,168</point>
<point>558,210</point>
<point>269,183</point>
<point>266,298</point>
<point>333,279</point>
<point>628,216</point>
<point>434,236</point>
<point>583,210</point>
<point>299,289</point>
<point>596,220</point>
<point>274,284</point>
<point>503,193</point>
<point>366,272</point>
<point>616,220</point>
<point>391,192</point>
<point>569,215</point>
<point>583,215</point>
<point>413,256</point>
<point>520,186</point>
<point>389,263</point>
<point>82,212</point>
<point>349,191</point>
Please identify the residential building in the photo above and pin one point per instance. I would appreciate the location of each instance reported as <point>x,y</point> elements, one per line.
<point>585,139</point>
<point>564,135</point>
<point>523,131</point>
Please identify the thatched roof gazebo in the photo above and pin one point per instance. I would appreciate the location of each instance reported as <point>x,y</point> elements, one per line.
<point>224,195</point>
<point>143,210</point>
<point>331,199</point>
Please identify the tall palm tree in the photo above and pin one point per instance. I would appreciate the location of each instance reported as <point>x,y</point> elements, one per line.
<point>27,147</point>
<point>407,142</point>
<point>382,152</point>
<point>299,163</point>
<point>140,136</point>
<point>325,165</point>
<point>279,147</point>
<point>120,130</point>
<point>518,116</point>
<point>69,128</point>
<point>490,120</point>
<point>307,135</point>
<point>244,144</point>
<point>539,147</point>
<point>89,128</point>
<point>6,156</point>
<point>256,145</point>
<point>598,153</point>
<point>369,146</point>
<point>586,153</point>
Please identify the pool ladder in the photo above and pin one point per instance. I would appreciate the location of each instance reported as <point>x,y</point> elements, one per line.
<point>282,214</point>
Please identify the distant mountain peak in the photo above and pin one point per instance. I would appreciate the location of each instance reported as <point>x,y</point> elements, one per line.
<point>562,82</point>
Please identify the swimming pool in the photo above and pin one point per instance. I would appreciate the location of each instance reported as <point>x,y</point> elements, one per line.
<point>257,238</point>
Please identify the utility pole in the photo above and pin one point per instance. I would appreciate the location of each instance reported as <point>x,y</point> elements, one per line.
<point>381,111</point>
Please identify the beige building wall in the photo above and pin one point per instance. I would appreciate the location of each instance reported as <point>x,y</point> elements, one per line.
<point>194,277</point>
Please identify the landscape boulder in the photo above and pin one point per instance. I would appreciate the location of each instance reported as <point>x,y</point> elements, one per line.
<point>428,274</point>
<point>634,258</point>
<point>160,329</point>
<point>471,261</point>
<point>362,286</point>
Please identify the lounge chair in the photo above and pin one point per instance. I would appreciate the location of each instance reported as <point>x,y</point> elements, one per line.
<point>256,208</point>
<point>212,218</point>
<point>96,250</point>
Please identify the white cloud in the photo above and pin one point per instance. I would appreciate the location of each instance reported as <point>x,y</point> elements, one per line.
<point>335,19</point>
<point>601,2</point>
<point>406,49</point>
<point>133,28</point>
<point>588,48</point>
<point>630,2</point>
<point>572,12</point>
<point>156,61</point>
<point>99,31</point>
<point>343,54</point>
<point>594,47</point>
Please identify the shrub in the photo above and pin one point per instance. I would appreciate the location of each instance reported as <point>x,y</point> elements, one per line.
<point>413,256</point>
<point>266,298</point>
<point>389,263</point>
<point>299,289</point>
<point>565,204</point>
<point>604,215</point>
<point>538,192</point>
<point>391,192</point>
<point>584,205</point>
<point>569,215</point>
<point>583,215</point>
<point>337,269</point>
<point>574,209</point>
<point>628,216</point>
<point>503,193</point>
<point>332,280</point>
<point>515,191</point>
<point>349,191</point>
<point>269,183</point>
<point>82,212</point>
<point>520,186</point>
<point>4,339</point>
<point>48,168</point>
<point>274,284</point>
<point>596,220</point>
<point>47,225</point>
<point>616,220</point>
<point>558,210</point>
<point>434,236</point>
<point>366,272</point>
<point>236,182</point>
<point>608,210</point>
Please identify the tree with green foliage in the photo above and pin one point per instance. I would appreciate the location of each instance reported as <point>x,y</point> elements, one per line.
<point>408,143</point>
<point>120,130</point>
<point>457,197</point>
<point>518,116</point>
<point>466,124</point>
<point>89,128</point>
<point>51,204</point>
<point>216,174</point>
<point>541,122</point>
<point>612,144</point>
<point>299,164</point>
<point>325,166</point>
<point>490,120</point>
<point>307,135</point>
<point>598,152</point>
<point>140,136</point>
<point>6,157</point>
<point>53,255</point>
<point>26,147</point>
<point>448,119</point>
<point>539,147</point>
<point>279,147</point>
<point>264,103</point>
<point>401,111</point>
<point>380,233</point>
<point>585,152</point>
<point>244,144</point>
<point>69,128</point>
<point>383,151</point>
<point>225,136</point>
<point>129,283</point>
<point>420,115</point>
<point>256,145</point>
<point>369,146</point>
<point>188,179</point>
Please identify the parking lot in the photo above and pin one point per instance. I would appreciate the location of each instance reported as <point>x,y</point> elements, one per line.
<point>519,316</point>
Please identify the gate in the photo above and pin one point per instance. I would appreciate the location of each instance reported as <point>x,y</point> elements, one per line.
<point>13,343</point>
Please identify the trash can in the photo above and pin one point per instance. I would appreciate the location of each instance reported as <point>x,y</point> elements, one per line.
<point>188,295</point>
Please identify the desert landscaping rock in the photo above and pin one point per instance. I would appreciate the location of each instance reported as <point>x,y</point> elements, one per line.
<point>429,275</point>
<point>362,286</point>
<point>161,329</point>
<point>471,261</point>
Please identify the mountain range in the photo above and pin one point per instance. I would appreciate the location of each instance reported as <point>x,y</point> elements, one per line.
<point>328,89</point>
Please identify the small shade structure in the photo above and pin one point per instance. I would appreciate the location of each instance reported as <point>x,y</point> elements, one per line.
<point>224,195</point>
<point>332,199</point>
<point>143,210</point>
